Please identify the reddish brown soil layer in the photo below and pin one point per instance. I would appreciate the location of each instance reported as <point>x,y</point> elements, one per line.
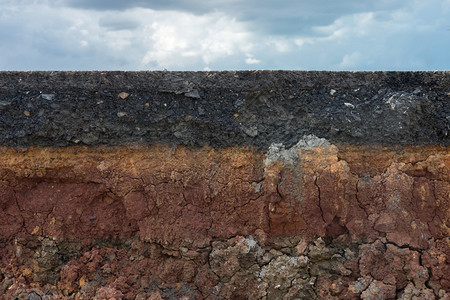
<point>157,222</point>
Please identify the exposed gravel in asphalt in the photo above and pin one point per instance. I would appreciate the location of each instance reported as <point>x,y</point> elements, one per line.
<point>222,109</point>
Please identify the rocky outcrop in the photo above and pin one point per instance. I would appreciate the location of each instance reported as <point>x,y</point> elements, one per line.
<point>317,218</point>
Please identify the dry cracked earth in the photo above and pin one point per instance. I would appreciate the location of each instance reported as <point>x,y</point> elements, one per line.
<point>313,221</point>
<point>224,185</point>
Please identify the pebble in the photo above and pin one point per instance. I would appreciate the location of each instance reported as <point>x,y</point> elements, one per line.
<point>121,114</point>
<point>26,113</point>
<point>4,104</point>
<point>34,296</point>
<point>238,102</point>
<point>349,105</point>
<point>48,96</point>
<point>193,94</point>
<point>123,95</point>
<point>252,132</point>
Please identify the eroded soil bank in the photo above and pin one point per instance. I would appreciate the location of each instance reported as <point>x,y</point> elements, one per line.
<point>314,221</point>
<point>224,185</point>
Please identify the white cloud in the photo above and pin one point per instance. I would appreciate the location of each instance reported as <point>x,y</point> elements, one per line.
<point>48,34</point>
<point>252,61</point>
<point>137,38</point>
<point>281,45</point>
<point>181,39</point>
<point>403,39</point>
<point>350,61</point>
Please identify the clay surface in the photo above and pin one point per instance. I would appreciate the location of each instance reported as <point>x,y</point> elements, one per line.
<point>312,221</point>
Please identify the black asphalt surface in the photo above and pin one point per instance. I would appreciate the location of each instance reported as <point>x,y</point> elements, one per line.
<point>220,109</point>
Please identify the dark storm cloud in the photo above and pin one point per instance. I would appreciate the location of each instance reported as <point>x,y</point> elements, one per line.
<point>113,23</point>
<point>281,17</point>
<point>298,17</point>
<point>242,7</point>
<point>192,6</point>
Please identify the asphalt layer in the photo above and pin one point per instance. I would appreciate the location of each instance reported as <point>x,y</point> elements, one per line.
<point>221,109</point>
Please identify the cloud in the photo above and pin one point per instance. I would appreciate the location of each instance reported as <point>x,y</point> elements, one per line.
<point>403,39</point>
<point>350,61</point>
<point>194,40</point>
<point>114,23</point>
<point>190,6</point>
<point>224,34</point>
<point>252,61</point>
<point>282,17</point>
<point>138,38</point>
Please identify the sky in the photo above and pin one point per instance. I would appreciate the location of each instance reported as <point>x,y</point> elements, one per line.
<point>224,35</point>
